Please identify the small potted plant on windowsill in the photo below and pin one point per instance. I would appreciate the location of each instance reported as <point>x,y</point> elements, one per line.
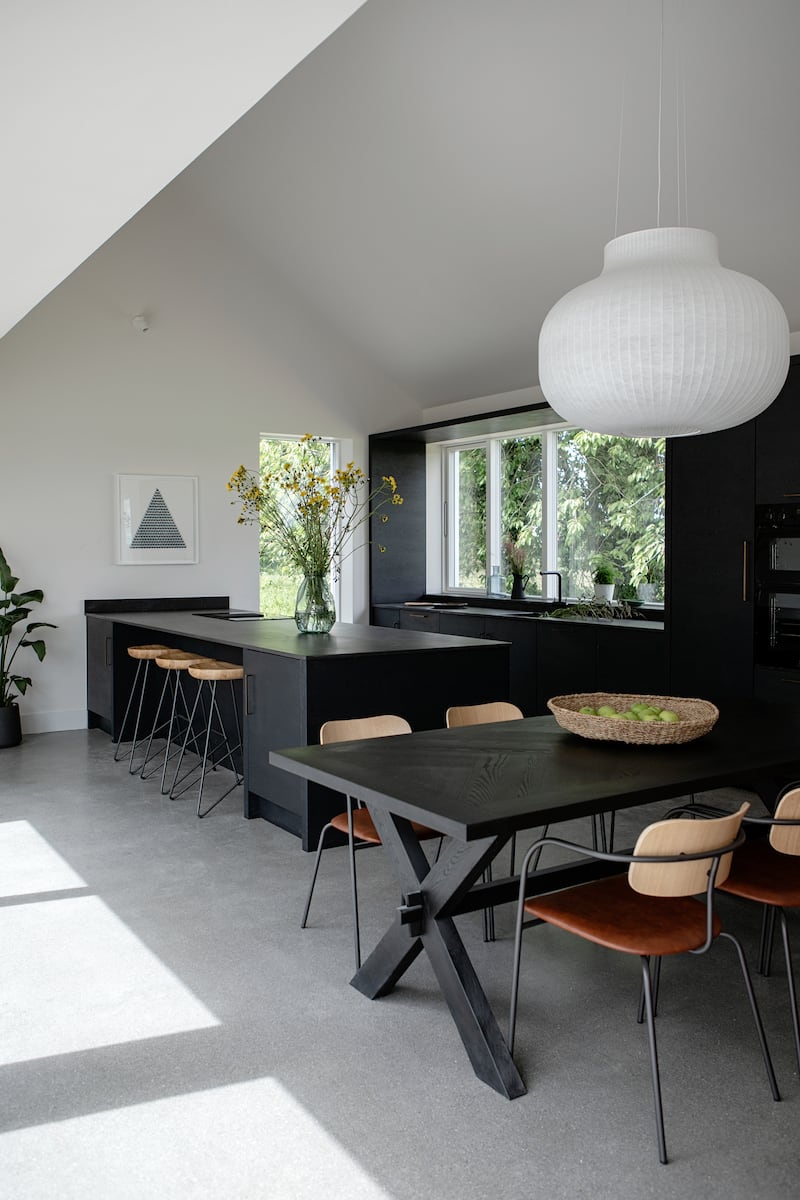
<point>14,608</point>
<point>603,580</point>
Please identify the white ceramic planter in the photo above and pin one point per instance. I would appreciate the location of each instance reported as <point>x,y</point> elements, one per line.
<point>604,592</point>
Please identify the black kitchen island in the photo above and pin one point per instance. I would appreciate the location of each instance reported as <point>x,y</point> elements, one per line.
<point>294,683</point>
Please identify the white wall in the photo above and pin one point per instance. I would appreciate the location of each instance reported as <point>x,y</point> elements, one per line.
<point>105,103</point>
<point>230,353</point>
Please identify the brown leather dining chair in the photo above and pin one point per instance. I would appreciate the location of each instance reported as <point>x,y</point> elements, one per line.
<point>652,910</point>
<point>767,871</point>
<point>355,821</point>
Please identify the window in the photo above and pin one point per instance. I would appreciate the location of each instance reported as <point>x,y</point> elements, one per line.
<point>559,500</point>
<point>278,579</point>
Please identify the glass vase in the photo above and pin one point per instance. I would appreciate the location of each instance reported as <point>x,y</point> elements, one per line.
<point>314,609</point>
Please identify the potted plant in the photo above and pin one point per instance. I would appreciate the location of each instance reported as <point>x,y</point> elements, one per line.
<point>14,608</point>
<point>603,579</point>
<point>517,556</point>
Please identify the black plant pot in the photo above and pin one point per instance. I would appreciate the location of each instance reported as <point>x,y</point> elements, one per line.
<point>10,728</point>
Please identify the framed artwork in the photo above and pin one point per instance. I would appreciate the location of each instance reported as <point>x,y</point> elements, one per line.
<point>156,519</point>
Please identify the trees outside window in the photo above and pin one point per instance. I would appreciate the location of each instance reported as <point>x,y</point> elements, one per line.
<point>279,579</point>
<point>556,500</point>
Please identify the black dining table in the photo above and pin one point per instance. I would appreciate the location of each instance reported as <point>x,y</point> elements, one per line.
<point>479,785</point>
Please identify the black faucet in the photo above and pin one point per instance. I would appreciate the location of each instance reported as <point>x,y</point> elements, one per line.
<point>558,577</point>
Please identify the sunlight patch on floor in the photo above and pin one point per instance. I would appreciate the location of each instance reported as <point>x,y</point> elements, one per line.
<point>30,864</point>
<point>74,977</point>
<point>244,1141</point>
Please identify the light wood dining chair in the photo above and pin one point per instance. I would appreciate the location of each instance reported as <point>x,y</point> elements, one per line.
<point>651,911</point>
<point>355,821</point>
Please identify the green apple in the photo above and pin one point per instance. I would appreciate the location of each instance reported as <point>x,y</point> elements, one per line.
<point>630,715</point>
<point>590,712</point>
<point>668,716</point>
<point>649,716</point>
<point>605,710</point>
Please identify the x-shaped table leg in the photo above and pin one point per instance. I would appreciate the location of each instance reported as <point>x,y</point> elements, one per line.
<point>440,888</point>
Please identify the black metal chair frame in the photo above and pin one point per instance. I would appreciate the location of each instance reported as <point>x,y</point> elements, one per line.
<point>647,1004</point>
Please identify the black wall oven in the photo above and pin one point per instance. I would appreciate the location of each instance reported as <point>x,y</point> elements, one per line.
<point>777,585</point>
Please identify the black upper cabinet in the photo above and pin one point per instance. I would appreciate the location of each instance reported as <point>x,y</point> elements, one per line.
<point>398,572</point>
<point>777,434</point>
<point>710,526</point>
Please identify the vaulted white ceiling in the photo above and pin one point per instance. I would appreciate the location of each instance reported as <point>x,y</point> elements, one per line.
<point>437,173</point>
<point>104,103</point>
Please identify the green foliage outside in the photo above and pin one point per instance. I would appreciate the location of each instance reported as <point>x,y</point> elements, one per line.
<point>280,579</point>
<point>610,506</point>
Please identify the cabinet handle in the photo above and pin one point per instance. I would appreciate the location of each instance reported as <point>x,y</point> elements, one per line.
<point>249,707</point>
<point>744,571</point>
<point>108,652</point>
<point>795,681</point>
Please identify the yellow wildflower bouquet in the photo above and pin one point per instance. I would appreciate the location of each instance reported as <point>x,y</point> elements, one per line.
<point>309,515</point>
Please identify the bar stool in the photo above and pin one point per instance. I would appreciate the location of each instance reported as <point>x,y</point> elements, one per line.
<point>210,672</point>
<point>144,655</point>
<point>173,663</point>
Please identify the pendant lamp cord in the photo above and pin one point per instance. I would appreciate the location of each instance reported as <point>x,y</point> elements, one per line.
<point>660,107</point>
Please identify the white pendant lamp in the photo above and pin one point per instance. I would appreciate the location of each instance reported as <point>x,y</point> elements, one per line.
<point>665,342</point>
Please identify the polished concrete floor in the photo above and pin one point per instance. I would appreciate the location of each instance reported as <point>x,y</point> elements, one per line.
<point>167,1030</point>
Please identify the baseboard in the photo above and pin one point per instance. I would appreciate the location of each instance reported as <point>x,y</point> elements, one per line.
<point>54,721</point>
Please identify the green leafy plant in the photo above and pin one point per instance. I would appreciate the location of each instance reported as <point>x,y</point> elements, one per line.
<point>309,516</point>
<point>14,608</point>
<point>603,571</point>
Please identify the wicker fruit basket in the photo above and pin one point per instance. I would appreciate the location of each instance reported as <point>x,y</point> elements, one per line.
<point>697,717</point>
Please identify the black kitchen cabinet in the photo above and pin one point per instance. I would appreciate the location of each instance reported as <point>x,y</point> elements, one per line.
<point>100,674</point>
<point>566,660</point>
<point>710,529</point>
<point>423,620</point>
<point>631,661</point>
<point>777,439</point>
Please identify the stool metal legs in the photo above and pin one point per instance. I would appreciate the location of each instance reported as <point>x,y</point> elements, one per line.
<point>181,784</point>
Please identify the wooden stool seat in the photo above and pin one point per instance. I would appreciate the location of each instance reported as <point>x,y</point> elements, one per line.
<point>148,652</point>
<point>180,660</point>
<point>213,669</point>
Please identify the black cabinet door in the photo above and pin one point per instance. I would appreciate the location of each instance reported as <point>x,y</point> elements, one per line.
<point>100,673</point>
<point>710,526</point>
<point>386,618</point>
<point>566,660</point>
<point>423,620</point>
<point>631,660</point>
<point>464,625</point>
<point>777,438</point>
<point>522,665</point>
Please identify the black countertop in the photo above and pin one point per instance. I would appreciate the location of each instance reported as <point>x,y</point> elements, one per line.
<point>282,637</point>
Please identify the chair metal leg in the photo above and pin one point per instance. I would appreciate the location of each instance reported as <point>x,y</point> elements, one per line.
<point>320,847</point>
<point>767,940</point>
<point>756,1015</point>
<point>790,982</point>
<point>651,1036</point>
<point>353,882</point>
<point>488,913</point>
<point>128,707</point>
<point>656,982</point>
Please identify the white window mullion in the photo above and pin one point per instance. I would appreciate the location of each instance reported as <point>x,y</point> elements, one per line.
<point>549,511</point>
<point>494,534</point>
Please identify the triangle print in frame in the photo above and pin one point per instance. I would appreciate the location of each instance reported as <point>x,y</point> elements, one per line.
<point>156,520</point>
